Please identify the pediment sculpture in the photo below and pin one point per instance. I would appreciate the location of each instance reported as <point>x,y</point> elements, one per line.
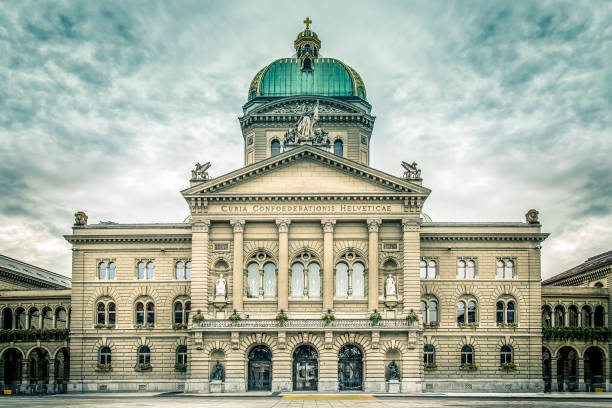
<point>412,171</point>
<point>201,171</point>
<point>80,218</point>
<point>532,217</point>
<point>305,131</point>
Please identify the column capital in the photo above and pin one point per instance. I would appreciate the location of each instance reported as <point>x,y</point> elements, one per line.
<point>283,225</point>
<point>328,224</point>
<point>238,225</point>
<point>374,224</point>
<point>410,225</point>
<point>200,226</point>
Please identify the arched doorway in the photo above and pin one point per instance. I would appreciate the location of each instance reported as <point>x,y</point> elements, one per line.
<point>350,368</point>
<point>260,369</point>
<point>39,369</point>
<point>567,369</point>
<point>546,366</point>
<point>305,368</point>
<point>62,369</point>
<point>594,369</point>
<point>12,368</point>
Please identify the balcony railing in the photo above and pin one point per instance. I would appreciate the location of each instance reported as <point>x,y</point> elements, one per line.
<point>7,336</point>
<point>576,333</point>
<point>305,324</point>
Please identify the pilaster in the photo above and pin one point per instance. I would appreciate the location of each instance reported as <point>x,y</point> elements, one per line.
<point>238,272</point>
<point>412,254</point>
<point>283,263</point>
<point>199,265</point>
<point>373,227</point>
<point>328,263</point>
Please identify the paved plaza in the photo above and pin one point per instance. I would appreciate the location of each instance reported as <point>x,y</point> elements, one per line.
<point>300,401</point>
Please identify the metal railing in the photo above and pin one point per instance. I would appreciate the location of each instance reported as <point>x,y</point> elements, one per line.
<point>361,324</point>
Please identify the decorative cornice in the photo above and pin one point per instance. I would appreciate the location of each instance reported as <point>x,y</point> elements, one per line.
<point>283,225</point>
<point>238,225</point>
<point>484,236</point>
<point>328,225</point>
<point>95,239</point>
<point>410,225</point>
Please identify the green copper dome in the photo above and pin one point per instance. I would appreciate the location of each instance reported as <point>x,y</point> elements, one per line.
<point>329,77</point>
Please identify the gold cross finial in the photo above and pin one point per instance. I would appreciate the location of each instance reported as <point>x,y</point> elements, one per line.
<point>308,22</point>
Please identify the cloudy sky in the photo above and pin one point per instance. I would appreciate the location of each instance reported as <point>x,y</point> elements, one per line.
<point>105,107</point>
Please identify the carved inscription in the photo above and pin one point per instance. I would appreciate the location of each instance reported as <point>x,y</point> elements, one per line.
<point>306,208</point>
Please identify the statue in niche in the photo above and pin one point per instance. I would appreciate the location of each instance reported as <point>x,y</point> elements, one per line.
<point>394,372</point>
<point>217,372</point>
<point>220,286</point>
<point>390,287</point>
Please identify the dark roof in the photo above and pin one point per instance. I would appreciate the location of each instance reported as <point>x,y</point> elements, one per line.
<point>45,278</point>
<point>590,264</point>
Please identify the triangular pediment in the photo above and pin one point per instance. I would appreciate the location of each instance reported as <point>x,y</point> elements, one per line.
<point>307,170</point>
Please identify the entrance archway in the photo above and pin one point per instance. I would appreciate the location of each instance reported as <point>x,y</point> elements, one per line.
<point>350,368</point>
<point>546,367</point>
<point>260,369</point>
<point>62,369</point>
<point>12,368</point>
<point>594,369</point>
<point>39,369</point>
<point>567,369</point>
<point>305,368</point>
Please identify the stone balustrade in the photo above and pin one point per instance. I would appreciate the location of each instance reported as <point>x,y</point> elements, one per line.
<point>306,324</point>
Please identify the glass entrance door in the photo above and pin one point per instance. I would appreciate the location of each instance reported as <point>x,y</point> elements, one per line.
<point>260,369</point>
<point>305,369</point>
<point>350,369</point>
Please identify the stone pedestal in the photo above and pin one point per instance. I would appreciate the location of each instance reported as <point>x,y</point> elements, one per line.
<point>216,386</point>
<point>393,386</point>
<point>328,385</point>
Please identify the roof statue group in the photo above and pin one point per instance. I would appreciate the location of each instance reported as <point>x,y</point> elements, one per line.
<point>304,131</point>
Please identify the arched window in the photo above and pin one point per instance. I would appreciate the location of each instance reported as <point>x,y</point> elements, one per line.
<point>471,311</point>
<point>599,316</point>
<point>314,280</point>
<point>188,270</point>
<point>150,270</point>
<point>500,269</point>
<point>471,269</point>
<point>140,317</point>
<point>509,269</point>
<point>358,280</point>
<point>187,310</point>
<point>21,318</point>
<point>587,316</point>
<point>338,148</point>
<point>275,147</point>
<point>104,356</point>
<point>433,312</point>
<point>431,269</point>
<point>150,313</point>
<point>460,312</point>
<point>510,317</point>
<point>34,316</point>
<point>102,270</point>
<point>101,313</point>
<point>505,355</point>
<point>559,316</point>
<point>423,269</point>
<point>111,271</point>
<point>461,269</point>
<point>61,318</point>
<point>598,285</point>
<point>573,316</point>
<point>429,355</point>
<point>144,355</point>
<point>499,315</point>
<point>141,270</point>
<point>297,280</point>
<point>179,270</point>
<point>47,318</point>
<point>505,269</point>
<point>181,355</point>
<point>253,280</point>
<point>467,355</point>
<point>178,312</point>
<point>546,316</point>
<point>424,311</point>
<point>341,280</point>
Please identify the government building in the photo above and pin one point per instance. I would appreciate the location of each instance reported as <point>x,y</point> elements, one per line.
<point>306,270</point>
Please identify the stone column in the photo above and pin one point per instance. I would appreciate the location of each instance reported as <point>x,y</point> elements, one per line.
<point>580,374</point>
<point>328,263</point>
<point>14,320</point>
<point>238,273</point>
<point>51,387</point>
<point>412,257</point>
<point>25,375</point>
<point>373,227</point>
<point>554,382</point>
<point>199,266</point>
<point>2,385</point>
<point>283,264</point>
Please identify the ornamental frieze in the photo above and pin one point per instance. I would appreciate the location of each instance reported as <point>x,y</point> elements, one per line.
<point>305,209</point>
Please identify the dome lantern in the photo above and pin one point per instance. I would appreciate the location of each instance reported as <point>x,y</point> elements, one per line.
<point>307,45</point>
